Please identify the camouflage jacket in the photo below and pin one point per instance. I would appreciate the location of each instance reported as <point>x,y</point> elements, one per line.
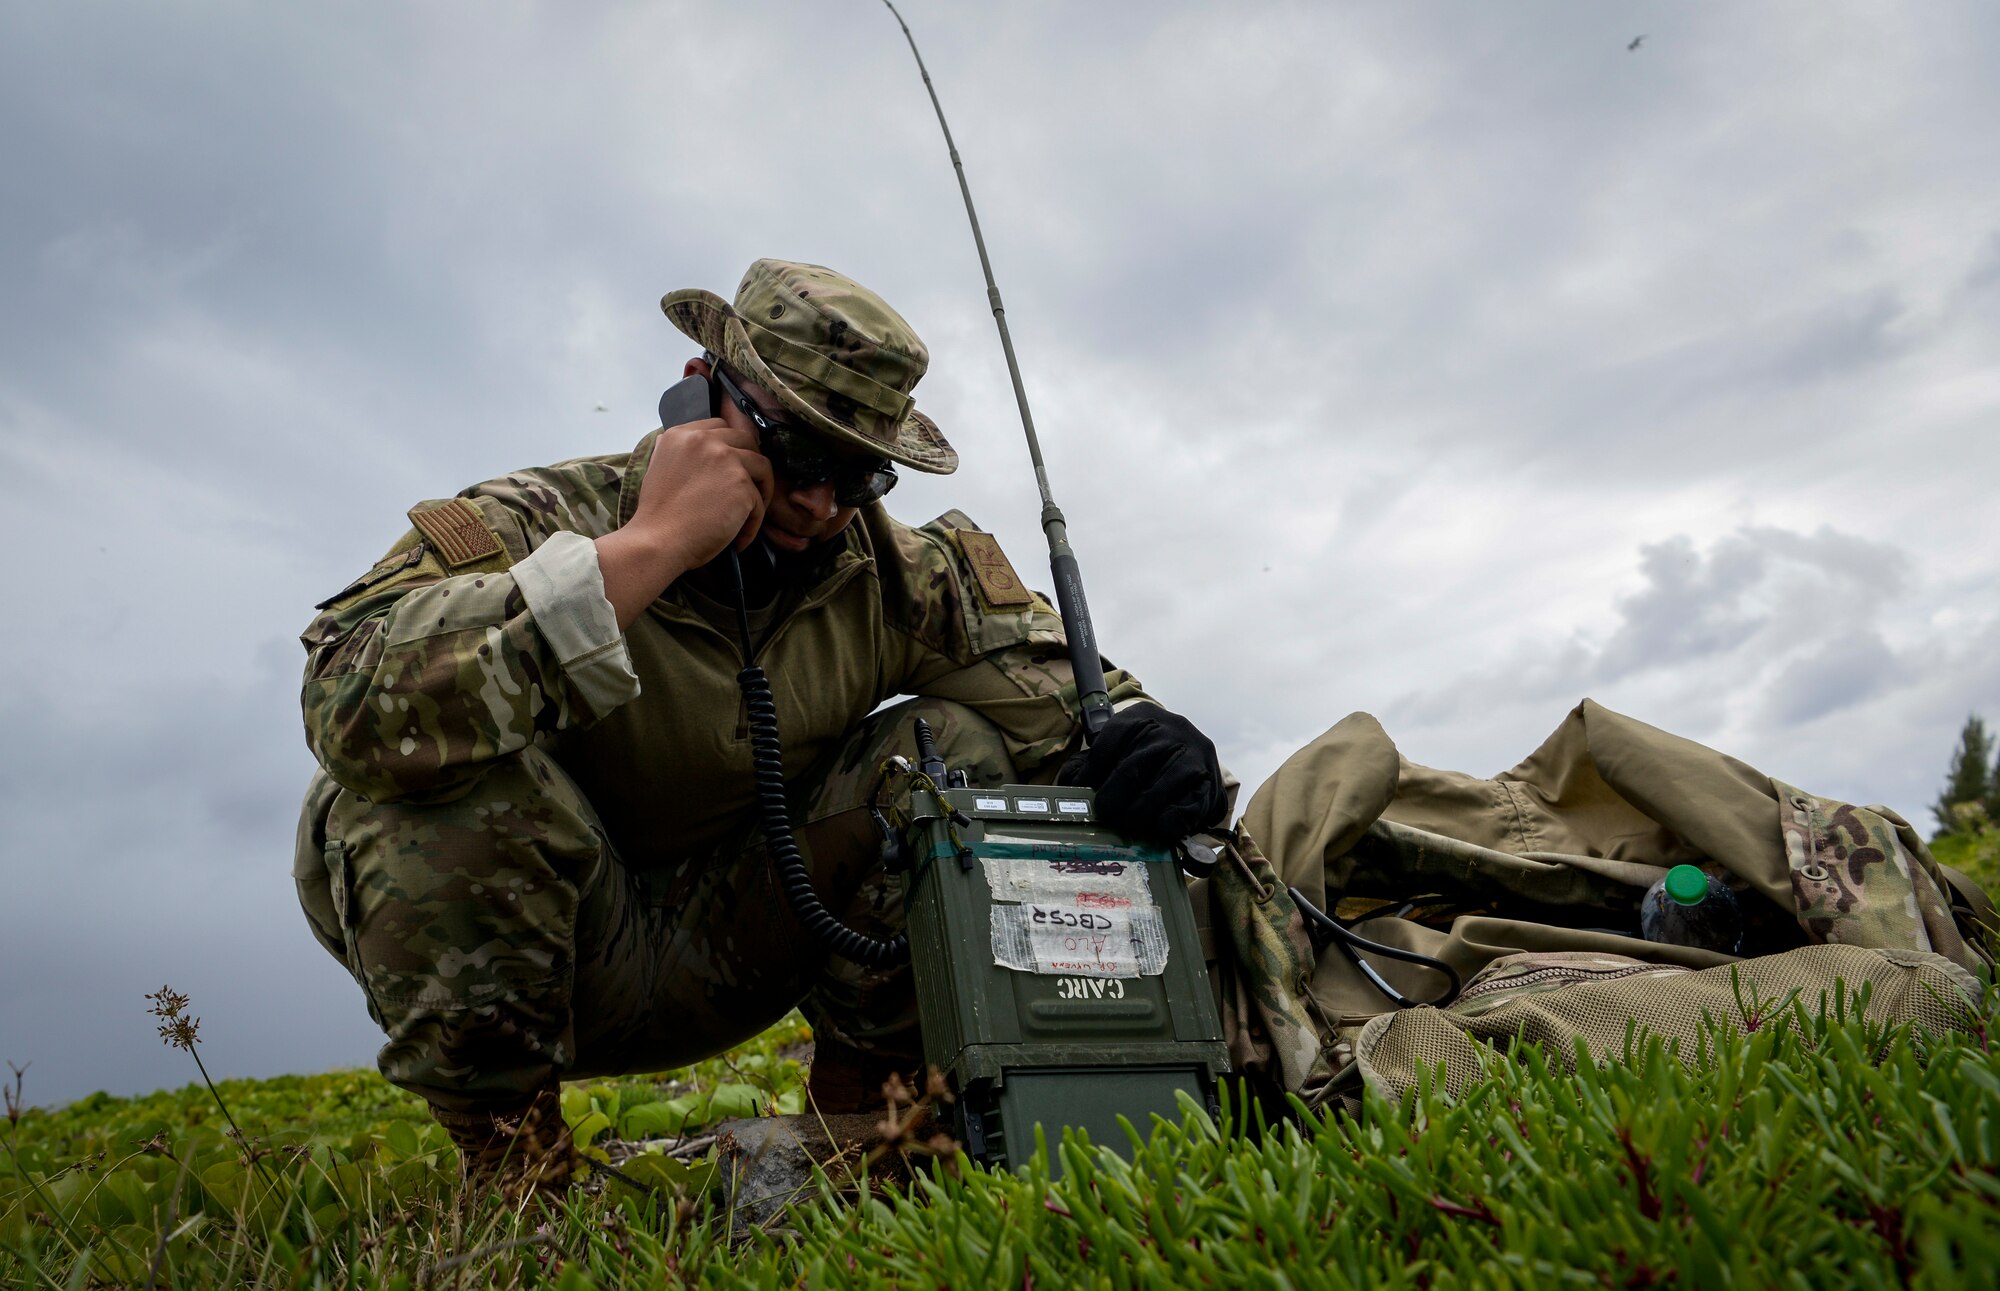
<point>486,629</point>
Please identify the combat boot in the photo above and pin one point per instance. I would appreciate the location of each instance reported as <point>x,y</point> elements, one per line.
<point>517,1151</point>
<point>844,1079</point>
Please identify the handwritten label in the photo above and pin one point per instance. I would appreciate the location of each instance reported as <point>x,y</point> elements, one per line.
<point>1071,939</point>
<point>1057,917</point>
<point>1034,880</point>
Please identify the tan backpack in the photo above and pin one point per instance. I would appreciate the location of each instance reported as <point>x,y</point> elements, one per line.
<point>1372,917</point>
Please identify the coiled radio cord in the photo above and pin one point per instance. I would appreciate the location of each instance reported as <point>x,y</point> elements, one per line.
<point>1322,927</point>
<point>768,763</point>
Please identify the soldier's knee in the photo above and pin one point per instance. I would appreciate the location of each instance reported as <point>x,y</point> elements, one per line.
<point>966,739</point>
<point>482,887</point>
<point>839,831</point>
<point>845,781</point>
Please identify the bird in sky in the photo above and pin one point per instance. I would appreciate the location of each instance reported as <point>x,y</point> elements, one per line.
<point>1636,42</point>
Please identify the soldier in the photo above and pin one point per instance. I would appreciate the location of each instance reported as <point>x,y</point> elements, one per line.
<point>532,840</point>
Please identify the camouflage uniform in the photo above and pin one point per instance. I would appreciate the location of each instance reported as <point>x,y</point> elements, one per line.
<point>532,841</point>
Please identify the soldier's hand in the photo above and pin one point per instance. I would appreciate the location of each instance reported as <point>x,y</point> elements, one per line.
<point>706,488</point>
<point>1156,776</point>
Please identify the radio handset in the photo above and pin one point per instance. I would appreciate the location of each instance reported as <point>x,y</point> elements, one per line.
<point>696,398</point>
<point>688,399</point>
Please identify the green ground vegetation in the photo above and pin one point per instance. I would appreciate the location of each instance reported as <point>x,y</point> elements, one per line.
<point>1976,851</point>
<point>1814,1151</point>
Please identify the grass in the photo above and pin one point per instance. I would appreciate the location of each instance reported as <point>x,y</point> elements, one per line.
<point>1786,1158</point>
<point>1975,851</point>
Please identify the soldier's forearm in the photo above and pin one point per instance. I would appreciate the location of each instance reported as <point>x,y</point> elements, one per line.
<point>636,567</point>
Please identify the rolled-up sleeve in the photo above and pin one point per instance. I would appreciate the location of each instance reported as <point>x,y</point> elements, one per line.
<point>564,587</point>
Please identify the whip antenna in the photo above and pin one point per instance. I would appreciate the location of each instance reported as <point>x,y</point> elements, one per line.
<point>1083,656</point>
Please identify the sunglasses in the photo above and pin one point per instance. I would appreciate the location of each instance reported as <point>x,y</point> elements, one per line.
<point>805,459</point>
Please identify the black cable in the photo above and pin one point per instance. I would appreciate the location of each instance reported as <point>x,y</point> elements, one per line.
<point>768,763</point>
<point>1352,943</point>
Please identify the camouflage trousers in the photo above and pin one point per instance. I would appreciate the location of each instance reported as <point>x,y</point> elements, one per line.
<point>502,945</point>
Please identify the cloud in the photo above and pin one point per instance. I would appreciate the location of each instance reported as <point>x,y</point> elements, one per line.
<point>1696,605</point>
<point>1796,648</point>
<point>1757,604</point>
<point>1692,606</point>
<point>1835,676</point>
<point>1985,272</point>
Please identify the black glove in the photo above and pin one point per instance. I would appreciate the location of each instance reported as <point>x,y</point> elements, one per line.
<point>1156,776</point>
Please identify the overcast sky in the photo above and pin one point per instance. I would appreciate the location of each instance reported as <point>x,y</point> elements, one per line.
<point>1451,362</point>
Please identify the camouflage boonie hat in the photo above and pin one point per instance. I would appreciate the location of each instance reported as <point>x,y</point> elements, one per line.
<point>831,350</point>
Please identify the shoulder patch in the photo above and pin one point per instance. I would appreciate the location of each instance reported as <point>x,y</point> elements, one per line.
<point>998,583</point>
<point>456,531</point>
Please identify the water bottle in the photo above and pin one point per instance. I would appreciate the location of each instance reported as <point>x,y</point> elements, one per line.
<point>1692,908</point>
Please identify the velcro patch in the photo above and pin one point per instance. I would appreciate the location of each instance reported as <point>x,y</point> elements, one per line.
<point>998,582</point>
<point>456,530</point>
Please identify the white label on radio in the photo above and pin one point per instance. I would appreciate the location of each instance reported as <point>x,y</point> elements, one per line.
<point>1072,807</point>
<point>1040,806</point>
<point>1073,939</point>
<point>989,804</point>
<point>1028,880</point>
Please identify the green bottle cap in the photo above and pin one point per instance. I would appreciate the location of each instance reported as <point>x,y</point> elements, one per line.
<point>1687,884</point>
